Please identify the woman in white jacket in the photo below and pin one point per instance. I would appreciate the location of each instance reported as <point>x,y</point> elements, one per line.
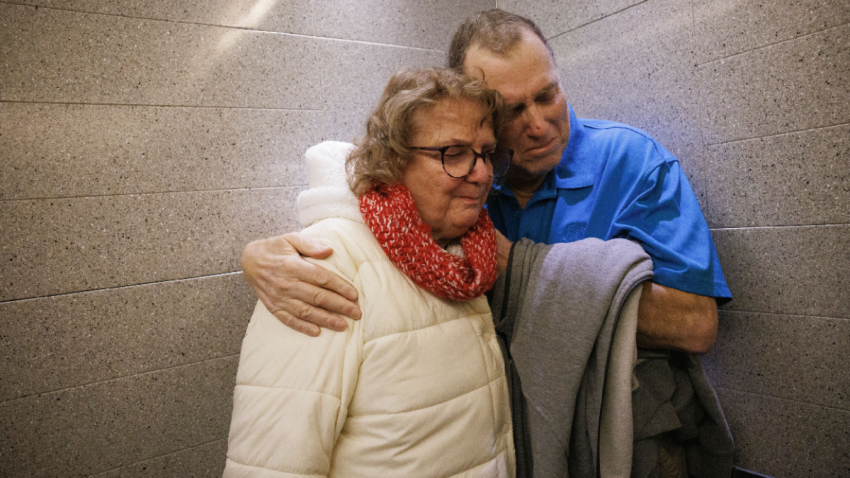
<point>417,387</point>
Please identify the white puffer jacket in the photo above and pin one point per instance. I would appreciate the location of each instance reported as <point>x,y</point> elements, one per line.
<point>416,388</point>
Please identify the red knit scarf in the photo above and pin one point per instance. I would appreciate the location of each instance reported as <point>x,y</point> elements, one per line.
<point>392,216</point>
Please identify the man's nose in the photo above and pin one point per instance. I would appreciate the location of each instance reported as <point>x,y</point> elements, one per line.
<point>535,121</point>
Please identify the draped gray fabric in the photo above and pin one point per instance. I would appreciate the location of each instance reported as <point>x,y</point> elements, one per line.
<point>566,313</point>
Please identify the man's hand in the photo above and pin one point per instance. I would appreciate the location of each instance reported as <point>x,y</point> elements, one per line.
<point>302,295</point>
<point>673,319</point>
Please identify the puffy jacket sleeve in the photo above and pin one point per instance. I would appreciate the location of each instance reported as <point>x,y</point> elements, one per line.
<point>291,398</point>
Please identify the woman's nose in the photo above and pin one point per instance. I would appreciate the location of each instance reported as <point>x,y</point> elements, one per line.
<point>480,171</point>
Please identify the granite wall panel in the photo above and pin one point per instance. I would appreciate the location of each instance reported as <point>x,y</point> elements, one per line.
<point>359,73</point>
<point>729,27</point>
<point>792,357</point>
<point>784,180</point>
<point>415,24</point>
<point>62,341</point>
<point>426,24</point>
<point>781,88</point>
<point>59,56</point>
<point>60,150</point>
<point>203,461</point>
<point>787,439</point>
<point>290,16</point>
<point>787,270</point>
<point>59,246</point>
<point>555,18</point>
<point>99,427</point>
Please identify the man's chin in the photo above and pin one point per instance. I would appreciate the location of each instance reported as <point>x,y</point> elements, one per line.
<point>531,170</point>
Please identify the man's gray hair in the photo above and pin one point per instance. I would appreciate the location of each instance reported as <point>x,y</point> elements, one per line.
<point>496,31</point>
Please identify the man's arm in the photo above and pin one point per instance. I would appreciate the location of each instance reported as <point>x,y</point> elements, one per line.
<point>305,297</point>
<point>673,319</point>
<point>300,294</point>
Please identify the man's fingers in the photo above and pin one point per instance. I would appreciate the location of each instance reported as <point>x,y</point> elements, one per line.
<point>292,312</point>
<point>297,325</point>
<point>300,294</point>
<point>307,246</point>
<point>306,318</point>
<point>328,281</point>
<point>306,281</point>
<point>307,301</point>
<point>334,303</point>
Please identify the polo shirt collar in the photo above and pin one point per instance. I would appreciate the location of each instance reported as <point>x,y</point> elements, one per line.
<point>574,171</point>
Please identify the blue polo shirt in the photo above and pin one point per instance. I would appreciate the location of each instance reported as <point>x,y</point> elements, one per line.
<point>615,181</point>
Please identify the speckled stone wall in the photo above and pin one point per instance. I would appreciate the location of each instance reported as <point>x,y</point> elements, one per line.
<point>753,98</point>
<point>142,145</point>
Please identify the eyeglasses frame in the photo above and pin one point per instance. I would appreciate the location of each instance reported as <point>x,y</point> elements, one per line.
<point>442,150</point>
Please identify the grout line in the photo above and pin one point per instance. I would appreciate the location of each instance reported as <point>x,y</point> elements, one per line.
<point>104,289</point>
<point>126,465</point>
<point>151,193</point>
<point>363,42</point>
<point>139,105</point>
<point>596,20</point>
<point>779,314</point>
<point>785,133</point>
<point>233,27</point>
<point>700,65</point>
<point>122,377</point>
<point>828,407</point>
<point>779,227</point>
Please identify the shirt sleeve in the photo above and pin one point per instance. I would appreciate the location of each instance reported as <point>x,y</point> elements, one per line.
<point>291,398</point>
<point>664,216</point>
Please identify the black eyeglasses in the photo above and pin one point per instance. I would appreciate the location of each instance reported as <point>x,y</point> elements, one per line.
<point>459,161</point>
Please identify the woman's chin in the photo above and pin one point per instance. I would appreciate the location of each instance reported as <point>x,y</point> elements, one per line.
<point>466,224</point>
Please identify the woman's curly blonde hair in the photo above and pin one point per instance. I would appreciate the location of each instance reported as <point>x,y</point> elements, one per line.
<point>383,153</point>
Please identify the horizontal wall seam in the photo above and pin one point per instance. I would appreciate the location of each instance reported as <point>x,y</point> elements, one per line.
<point>828,407</point>
<point>152,193</point>
<point>779,314</point>
<point>364,42</point>
<point>785,133</point>
<point>596,20</point>
<point>122,377</point>
<point>232,27</point>
<point>140,105</point>
<point>158,456</point>
<point>700,65</point>
<point>105,289</point>
<point>840,224</point>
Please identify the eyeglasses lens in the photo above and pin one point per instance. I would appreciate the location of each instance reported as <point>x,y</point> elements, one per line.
<point>458,161</point>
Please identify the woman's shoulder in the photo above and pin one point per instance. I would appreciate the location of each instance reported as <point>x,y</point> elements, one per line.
<point>352,242</point>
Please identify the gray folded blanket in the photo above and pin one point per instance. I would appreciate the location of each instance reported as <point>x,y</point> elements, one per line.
<point>567,314</point>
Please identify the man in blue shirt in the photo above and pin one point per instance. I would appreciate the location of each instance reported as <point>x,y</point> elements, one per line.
<point>570,179</point>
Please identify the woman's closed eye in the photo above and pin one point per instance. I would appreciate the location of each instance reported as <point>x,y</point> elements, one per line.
<point>456,151</point>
